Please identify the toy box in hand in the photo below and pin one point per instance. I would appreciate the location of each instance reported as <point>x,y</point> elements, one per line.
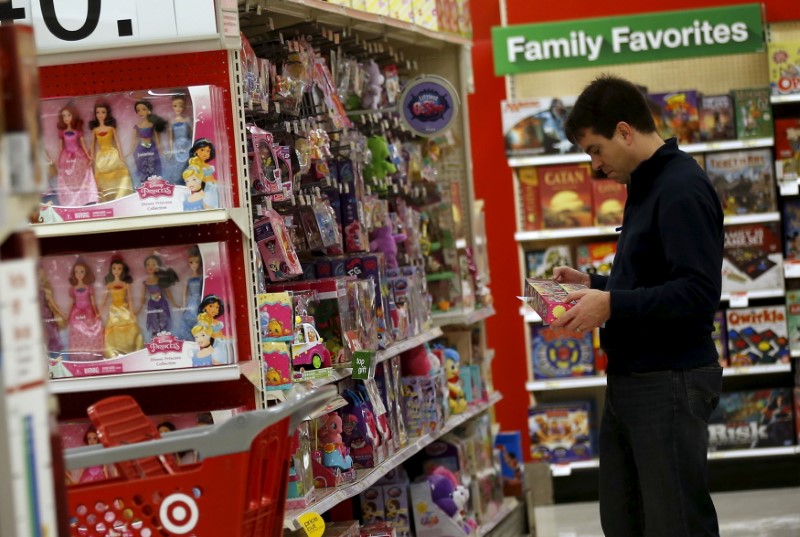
<point>560,353</point>
<point>122,311</point>
<point>717,121</point>
<point>608,202</point>
<point>743,180</point>
<point>784,68</point>
<point>752,258</point>
<point>752,419</point>
<point>565,192</point>
<point>757,336</point>
<point>787,148</point>
<point>596,257</point>
<point>753,113</point>
<point>536,127</point>
<point>676,115</point>
<point>135,153</point>
<point>548,298</point>
<point>561,432</point>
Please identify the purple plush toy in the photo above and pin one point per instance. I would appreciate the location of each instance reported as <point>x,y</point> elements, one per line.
<point>383,240</point>
<point>442,494</point>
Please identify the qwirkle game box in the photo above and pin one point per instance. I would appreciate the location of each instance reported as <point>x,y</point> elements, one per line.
<point>757,336</point>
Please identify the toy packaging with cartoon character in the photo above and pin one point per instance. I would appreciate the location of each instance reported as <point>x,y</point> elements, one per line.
<point>135,153</point>
<point>561,432</point>
<point>561,353</point>
<point>276,324</point>
<point>784,68</point>
<point>548,298</point>
<point>169,307</point>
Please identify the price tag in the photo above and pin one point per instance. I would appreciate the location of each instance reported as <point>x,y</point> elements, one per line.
<point>739,299</point>
<point>560,470</point>
<point>312,524</point>
<point>362,362</point>
<point>66,25</point>
<point>789,188</point>
<point>791,270</point>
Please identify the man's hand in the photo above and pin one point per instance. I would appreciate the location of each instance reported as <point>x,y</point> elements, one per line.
<point>570,275</point>
<point>593,309</point>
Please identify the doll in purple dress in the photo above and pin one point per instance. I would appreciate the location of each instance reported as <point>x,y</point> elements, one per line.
<point>145,141</point>
<point>75,180</point>
<point>85,325</point>
<point>52,317</point>
<point>157,296</point>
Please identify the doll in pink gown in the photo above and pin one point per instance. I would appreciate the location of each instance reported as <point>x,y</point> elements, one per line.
<point>75,179</point>
<point>85,326</point>
<point>92,473</point>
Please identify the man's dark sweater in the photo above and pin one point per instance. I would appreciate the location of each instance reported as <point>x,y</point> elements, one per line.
<point>666,279</point>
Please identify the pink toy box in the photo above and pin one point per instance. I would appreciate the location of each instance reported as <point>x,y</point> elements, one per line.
<point>135,153</point>
<point>276,324</point>
<point>546,297</point>
<point>149,309</point>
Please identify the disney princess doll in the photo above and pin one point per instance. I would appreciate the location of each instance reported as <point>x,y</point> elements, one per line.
<point>180,139</point>
<point>85,325</point>
<point>75,180</point>
<point>52,317</point>
<point>192,293</point>
<point>209,311</point>
<point>203,356</point>
<point>110,171</point>
<point>92,473</point>
<point>201,153</point>
<point>195,198</point>
<point>122,331</point>
<point>145,148</point>
<point>156,292</point>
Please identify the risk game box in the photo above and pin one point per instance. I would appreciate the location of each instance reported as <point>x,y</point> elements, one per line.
<point>561,353</point>
<point>757,336</point>
<point>752,258</point>
<point>565,193</point>
<point>752,419</point>
<point>743,180</point>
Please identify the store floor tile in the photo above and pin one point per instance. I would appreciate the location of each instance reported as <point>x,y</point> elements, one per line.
<point>754,513</point>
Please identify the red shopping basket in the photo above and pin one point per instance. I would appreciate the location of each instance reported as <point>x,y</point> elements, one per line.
<point>238,489</point>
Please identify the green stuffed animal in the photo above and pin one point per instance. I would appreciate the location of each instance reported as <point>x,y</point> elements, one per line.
<point>380,165</point>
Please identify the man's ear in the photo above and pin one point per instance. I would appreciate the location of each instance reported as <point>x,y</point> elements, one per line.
<point>626,131</point>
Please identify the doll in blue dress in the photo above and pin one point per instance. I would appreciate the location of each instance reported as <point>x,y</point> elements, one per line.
<point>203,355</point>
<point>159,301</point>
<point>200,155</point>
<point>195,199</point>
<point>192,294</point>
<point>180,140</point>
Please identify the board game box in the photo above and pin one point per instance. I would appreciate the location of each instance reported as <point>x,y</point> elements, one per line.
<point>549,298</point>
<point>596,257</point>
<point>530,208</point>
<point>753,113</point>
<point>608,201</point>
<point>793,319</point>
<point>791,228</point>
<point>784,68</point>
<point>752,419</point>
<point>676,115</point>
<point>720,337</point>
<point>757,336</point>
<point>743,180</point>
<point>565,193</point>
<point>717,121</point>
<point>561,432</point>
<point>540,263</point>
<point>752,258</point>
<point>561,353</point>
<point>536,127</point>
<point>787,148</point>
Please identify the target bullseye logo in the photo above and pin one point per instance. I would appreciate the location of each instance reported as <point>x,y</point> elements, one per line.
<point>179,513</point>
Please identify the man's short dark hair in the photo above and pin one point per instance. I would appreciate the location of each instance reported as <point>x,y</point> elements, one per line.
<point>605,102</point>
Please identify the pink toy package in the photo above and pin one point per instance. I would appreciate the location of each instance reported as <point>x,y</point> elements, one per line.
<point>135,153</point>
<point>276,321</point>
<point>122,311</point>
<point>546,297</point>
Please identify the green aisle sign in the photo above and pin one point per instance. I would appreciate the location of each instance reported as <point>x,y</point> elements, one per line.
<point>637,38</point>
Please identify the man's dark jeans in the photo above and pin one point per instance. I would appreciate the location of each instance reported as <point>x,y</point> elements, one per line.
<point>653,453</point>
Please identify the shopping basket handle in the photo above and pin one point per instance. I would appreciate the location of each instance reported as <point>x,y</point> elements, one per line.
<point>233,436</point>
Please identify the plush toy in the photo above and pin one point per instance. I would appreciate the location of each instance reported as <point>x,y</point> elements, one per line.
<point>379,166</point>
<point>382,239</point>
<point>329,434</point>
<point>371,97</point>
<point>419,362</point>
<point>452,361</point>
<point>442,494</point>
<point>460,494</point>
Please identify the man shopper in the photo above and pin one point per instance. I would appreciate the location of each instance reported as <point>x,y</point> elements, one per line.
<point>656,312</point>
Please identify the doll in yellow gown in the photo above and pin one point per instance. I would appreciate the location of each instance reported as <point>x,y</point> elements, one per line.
<point>110,171</point>
<point>122,331</point>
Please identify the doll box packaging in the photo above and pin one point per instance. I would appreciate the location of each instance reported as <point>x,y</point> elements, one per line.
<point>135,153</point>
<point>547,298</point>
<point>560,353</point>
<point>146,309</point>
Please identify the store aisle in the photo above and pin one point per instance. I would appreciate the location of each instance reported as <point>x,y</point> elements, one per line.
<point>752,513</point>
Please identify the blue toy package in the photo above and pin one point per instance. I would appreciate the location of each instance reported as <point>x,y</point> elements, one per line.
<point>560,353</point>
<point>509,443</point>
<point>561,432</point>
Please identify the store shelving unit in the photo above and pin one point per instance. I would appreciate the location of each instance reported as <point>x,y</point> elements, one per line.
<point>326,499</point>
<point>462,317</point>
<point>169,377</point>
<point>509,504</point>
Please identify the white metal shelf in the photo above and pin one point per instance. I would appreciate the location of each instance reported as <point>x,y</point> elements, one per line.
<point>706,147</point>
<point>598,381</point>
<point>753,453</point>
<point>107,225</point>
<point>144,379</point>
<point>753,294</point>
<point>507,507</point>
<point>783,99</point>
<point>326,499</point>
<point>408,344</point>
<point>530,315</point>
<point>567,233</point>
<point>462,317</point>
<point>564,469</point>
<point>796,354</point>
<point>755,218</point>
<point>346,17</point>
